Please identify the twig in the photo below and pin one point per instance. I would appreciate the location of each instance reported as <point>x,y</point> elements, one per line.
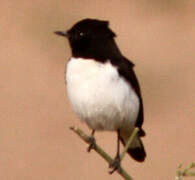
<point>130,140</point>
<point>184,172</point>
<point>102,153</point>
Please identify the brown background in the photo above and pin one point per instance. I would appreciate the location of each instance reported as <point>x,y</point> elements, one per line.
<point>35,140</point>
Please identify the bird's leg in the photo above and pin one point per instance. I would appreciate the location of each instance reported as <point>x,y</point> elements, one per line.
<point>115,165</point>
<point>92,141</point>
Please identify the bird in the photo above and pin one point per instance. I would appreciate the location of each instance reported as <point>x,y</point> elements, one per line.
<point>102,85</point>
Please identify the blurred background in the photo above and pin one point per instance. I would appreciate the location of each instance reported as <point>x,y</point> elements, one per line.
<point>35,115</point>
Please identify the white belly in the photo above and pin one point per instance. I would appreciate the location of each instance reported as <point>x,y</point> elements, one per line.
<point>99,96</point>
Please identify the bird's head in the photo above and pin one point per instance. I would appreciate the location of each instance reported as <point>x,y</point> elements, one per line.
<point>88,35</point>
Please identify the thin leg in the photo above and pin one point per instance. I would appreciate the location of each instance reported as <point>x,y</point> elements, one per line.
<point>92,133</point>
<point>92,141</point>
<point>116,163</point>
<point>118,144</point>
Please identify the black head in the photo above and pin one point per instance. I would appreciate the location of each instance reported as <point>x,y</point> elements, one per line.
<point>90,38</point>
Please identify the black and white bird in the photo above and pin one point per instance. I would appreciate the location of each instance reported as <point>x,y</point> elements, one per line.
<point>102,85</point>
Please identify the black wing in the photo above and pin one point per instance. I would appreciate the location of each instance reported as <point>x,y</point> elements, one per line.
<point>125,69</point>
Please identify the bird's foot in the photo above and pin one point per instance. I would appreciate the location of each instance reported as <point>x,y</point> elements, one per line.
<point>115,165</point>
<point>92,144</point>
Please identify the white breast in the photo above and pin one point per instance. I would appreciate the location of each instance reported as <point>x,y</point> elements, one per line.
<point>99,96</point>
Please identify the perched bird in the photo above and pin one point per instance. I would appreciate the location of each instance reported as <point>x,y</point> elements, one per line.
<point>102,85</point>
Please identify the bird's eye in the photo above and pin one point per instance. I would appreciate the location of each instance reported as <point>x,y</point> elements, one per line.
<point>81,34</point>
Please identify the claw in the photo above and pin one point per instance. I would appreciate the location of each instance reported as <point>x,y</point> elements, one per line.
<point>92,144</point>
<point>115,165</point>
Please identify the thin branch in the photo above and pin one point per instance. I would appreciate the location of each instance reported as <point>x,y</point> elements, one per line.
<point>102,153</point>
<point>130,140</point>
<point>184,172</point>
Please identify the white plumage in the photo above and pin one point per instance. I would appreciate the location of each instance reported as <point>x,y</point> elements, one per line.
<point>99,96</point>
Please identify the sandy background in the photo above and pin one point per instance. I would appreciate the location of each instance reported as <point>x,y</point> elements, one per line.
<point>35,115</point>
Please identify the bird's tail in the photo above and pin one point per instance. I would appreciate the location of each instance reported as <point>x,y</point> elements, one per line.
<point>136,150</point>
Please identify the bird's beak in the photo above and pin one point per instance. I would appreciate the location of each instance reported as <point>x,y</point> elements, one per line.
<point>61,33</point>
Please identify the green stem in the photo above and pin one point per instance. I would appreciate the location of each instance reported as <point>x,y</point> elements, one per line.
<point>130,140</point>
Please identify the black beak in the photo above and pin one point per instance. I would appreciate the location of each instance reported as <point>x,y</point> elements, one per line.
<point>60,33</point>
